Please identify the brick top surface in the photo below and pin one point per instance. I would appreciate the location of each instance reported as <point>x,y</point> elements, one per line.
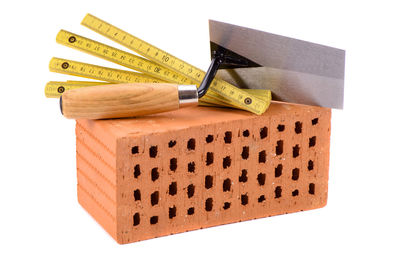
<point>185,118</point>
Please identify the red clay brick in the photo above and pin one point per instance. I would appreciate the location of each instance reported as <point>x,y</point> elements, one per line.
<point>176,153</point>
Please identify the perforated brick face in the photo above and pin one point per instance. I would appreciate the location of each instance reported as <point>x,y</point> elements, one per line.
<point>200,167</point>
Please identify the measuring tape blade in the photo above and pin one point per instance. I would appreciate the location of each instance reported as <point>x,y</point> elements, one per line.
<point>119,57</point>
<point>233,95</point>
<point>55,89</point>
<point>85,70</point>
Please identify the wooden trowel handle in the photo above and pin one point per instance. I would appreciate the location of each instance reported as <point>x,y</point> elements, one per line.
<point>126,100</point>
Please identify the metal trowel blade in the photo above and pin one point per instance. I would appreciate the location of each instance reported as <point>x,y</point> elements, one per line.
<point>295,71</point>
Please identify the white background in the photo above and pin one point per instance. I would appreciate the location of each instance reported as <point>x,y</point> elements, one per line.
<point>41,222</point>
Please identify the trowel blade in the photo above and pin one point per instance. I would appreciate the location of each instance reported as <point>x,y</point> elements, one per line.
<point>294,70</point>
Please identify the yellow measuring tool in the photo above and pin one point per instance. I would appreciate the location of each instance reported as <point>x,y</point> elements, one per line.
<point>64,66</point>
<point>55,89</point>
<point>230,93</point>
<point>85,70</point>
<point>159,67</point>
<point>119,57</point>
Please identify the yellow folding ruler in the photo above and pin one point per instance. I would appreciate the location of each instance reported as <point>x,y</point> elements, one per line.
<point>54,89</point>
<point>159,67</point>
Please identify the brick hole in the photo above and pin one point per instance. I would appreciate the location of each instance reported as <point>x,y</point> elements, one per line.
<point>278,192</point>
<point>243,176</point>
<point>154,198</point>
<point>295,193</point>
<point>295,174</point>
<point>210,158</point>
<point>137,195</point>
<point>227,205</point>
<point>209,138</point>
<point>245,152</point>
<point>262,157</point>
<point>172,212</point>
<point>209,204</point>
<point>261,199</point>
<point>190,190</point>
<point>312,141</point>
<point>244,199</point>
<point>263,132</point>
<point>261,178</point>
<point>228,137</point>
<point>135,149</point>
<point>173,164</point>
<point>281,127</point>
<point>191,167</point>
<point>226,186</point>
<point>171,143</point>
<point>246,133</point>
<point>296,151</point>
<point>190,211</point>
<point>208,183</point>
<point>153,151</point>
<point>311,189</point>
<point>154,220</point>
<point>314,121</point>
<point>154,174</point>
<point>136,219</point>
<point>310,166</point>
<point>298,127</point>
<point>136,171</point>
<point>191,144</point>
<point>173,189</point>
<point>278,170</point>
<point>226,162</point>
<point>279,147</point>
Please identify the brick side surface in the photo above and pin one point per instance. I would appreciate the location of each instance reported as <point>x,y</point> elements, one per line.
<point>96,173</point>
<point>200,167</point>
